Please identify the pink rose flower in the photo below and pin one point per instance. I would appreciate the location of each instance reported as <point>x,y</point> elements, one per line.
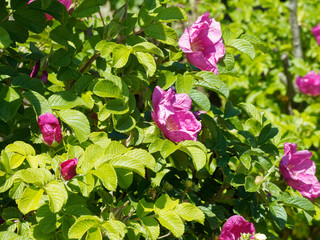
<point>309,84</point>
<point>66,3</point>
<point>68,168</point>
<point>234,227</point>
<point>173,116</point>
<point>298,170</point>
<point>202,43</point>
<point>316,32</point>
<point>50,128</point>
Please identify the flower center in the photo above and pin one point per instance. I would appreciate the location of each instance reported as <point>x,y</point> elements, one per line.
<point>196,45</point>
<point>172,124</point>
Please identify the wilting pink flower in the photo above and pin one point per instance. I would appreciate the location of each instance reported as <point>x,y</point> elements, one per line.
<point>44,77</point>
<point>68,168</point>
<point>173,116</point>
<point>234,227</point>
<point>202,43</point>
<point>35,69</point>
<point>309,84</point>
<point>66,3</point>
<point>298,170</point>
<point>50,128</point>
<point>316,32</point>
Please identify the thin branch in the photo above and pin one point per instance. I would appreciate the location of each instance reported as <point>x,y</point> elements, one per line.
<point>164,236</point>
<point>90,61</point>
<point>287,79</point>
<point>104,24</point>
<point>295,30</point>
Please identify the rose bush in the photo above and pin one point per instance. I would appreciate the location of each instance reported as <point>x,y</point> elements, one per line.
<point>152,147</point>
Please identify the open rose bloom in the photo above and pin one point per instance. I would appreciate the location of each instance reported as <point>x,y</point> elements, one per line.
<point>202,43</point>
<point>298,170</point>
<point>173,116</point>
<point>309,84</point>
<point>66,3</point>
<point>316,32</point>
<point>234,227</point>
<point>50,128</point>
<point>68,168</point>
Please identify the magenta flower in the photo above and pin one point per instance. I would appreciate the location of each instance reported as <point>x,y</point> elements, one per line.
<point>316,32</point>
<point>298,170</point>
<point>202,43</point>
<point>68,168</point>
<point>50,128</point>
<point>309,84</point>
<point>44,77</point>
<point>66,3</point>
<point>234,227</point>
<point>35,69</point>
<point>173,116</point>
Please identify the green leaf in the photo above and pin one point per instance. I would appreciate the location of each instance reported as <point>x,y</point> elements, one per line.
<point>171,221</point>
<point>64,100</point>
<point>29,200</point>
<point>243,46</point>
<point>61,58</point>
<point>212,82</point>
<point>108,88</point>
<point>274,189</point>
<point>46,219</point>
<point>197,151</point>
<point>121,55</point>
<point>168,148</point>
<point>166,79</point>
<point>200,99</point>
<point>116,229</point>
<point>57,194</point>
<point>165,202</point>
<point>83,224</point>
<point>128,163</point>
<point>32,19</point>
<point>252,111</point>
<point>20,147</point>
<point>106,173</point>
<point>125,177</point>
<point>299,202</point>
<point>143,156</point>
<point>184,83</point>
<point>148,62</point>
<point>10,101</point>
<point>189,212</point>
<point>10,213</point>
<point>5,40</point>
<point>152,227</point>
<point>246,160</point>
<point>26,82</point>
<point>123,123</point>
<point>267,133</point>
<point>147,47</point>
<point>163,33</point>
<point>278,214</point>
<point>105,48</point>
<point>94,234</point>
<point>39,102</point>
<point>37,176</point>
<point>229,61</point>
<point>86,8</point>
<point>16,31</point>
<point>144,208</point>
<point>250,185</point>
<point>78,122</point>
<point>171,14</point>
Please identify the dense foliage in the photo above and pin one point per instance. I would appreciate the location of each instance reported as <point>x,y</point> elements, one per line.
<point>113,128</point>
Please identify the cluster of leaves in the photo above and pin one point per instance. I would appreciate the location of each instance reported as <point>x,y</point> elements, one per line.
<point>131,182</point>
